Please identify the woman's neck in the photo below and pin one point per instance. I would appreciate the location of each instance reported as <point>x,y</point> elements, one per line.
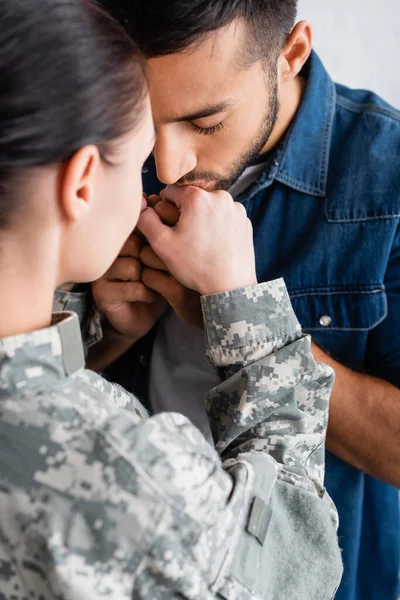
<point>27,288</point>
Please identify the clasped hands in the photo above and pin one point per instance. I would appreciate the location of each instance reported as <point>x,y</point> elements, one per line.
<point>185,245</point>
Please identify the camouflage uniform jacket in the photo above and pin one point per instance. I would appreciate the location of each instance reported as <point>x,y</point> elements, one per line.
<point>100,501</point>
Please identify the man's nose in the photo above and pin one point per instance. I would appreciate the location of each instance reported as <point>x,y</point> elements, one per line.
<point>174,158</point>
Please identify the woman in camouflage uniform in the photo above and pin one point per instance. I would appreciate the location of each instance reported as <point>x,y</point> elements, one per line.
<point>97,498</point>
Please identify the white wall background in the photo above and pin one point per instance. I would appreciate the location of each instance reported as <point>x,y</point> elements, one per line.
<point>359,42</point>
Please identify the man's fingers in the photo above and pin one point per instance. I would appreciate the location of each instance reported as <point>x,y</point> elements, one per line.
<point>156,280</point>
<point>124,269</point>
<point>153,200</point>
<point>152,228</point>
<point>118,293</point>
<point>150,259</point>
<point>132,246</point>
<point>164,284</point>
<point>168,212</point>
<point>179,195</point>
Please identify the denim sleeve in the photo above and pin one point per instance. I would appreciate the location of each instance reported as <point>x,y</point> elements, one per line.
<point>383,347</point>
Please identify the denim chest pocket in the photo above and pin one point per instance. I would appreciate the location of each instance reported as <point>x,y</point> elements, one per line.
<point>325,309</point>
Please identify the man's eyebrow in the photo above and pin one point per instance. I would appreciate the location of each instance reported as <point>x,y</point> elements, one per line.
<point>203,113</point>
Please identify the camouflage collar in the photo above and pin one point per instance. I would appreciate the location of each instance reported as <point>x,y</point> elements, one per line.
<point>34,360</point>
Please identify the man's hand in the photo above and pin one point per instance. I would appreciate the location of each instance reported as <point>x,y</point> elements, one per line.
<point>210,249</point>
<point>166,210</point>
<point>130,307</point>
<point>185,302</point>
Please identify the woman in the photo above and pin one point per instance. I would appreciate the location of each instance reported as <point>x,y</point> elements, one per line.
<point>99,500</point>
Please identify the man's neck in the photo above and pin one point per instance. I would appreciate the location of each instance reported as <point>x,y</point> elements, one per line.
<point>290,101</point>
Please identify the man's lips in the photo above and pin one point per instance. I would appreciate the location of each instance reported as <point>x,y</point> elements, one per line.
<point>203,185</point>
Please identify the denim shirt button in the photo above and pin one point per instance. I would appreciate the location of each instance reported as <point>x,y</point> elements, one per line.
<point>325,321</point>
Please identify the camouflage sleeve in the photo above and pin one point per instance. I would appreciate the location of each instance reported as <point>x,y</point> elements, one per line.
<point>269,420</point>
<point>81,303</point>
<point>236,532</point>
<point>275,397</point>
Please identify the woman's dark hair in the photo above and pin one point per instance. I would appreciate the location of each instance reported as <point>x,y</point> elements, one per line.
<point>69,76</point>
<point>162,27</point>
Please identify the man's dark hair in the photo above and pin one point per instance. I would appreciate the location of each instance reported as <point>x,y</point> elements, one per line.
<point>162,27</point>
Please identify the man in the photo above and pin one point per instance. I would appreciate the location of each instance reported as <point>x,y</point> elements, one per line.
<point>241,103</point>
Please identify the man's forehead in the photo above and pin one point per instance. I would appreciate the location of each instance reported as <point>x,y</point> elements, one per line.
<point>195,79</point>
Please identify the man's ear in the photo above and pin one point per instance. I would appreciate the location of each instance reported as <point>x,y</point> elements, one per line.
<point>296,52</point>
<point>77,184</point>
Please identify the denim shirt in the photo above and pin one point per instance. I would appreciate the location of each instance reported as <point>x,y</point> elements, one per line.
<point>326,217</point>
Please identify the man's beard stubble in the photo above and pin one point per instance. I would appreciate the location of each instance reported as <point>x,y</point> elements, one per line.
<point>250,155</point>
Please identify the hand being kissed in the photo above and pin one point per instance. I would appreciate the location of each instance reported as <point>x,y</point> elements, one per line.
<point>191,242</point>
<point>155,275</point>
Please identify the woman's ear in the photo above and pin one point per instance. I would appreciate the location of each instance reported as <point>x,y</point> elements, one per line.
<point>78,182</point>
<point>296,52</point>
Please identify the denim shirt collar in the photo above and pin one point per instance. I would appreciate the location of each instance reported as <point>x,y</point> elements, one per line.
<point>301,159</point>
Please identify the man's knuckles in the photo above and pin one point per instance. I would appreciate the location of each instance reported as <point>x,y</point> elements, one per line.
<point>155,279</point>
<point>151,260</point>
<point>132,246</point>
<point>122,292</point>
<point>166,285</point>
<point>125,269</point>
